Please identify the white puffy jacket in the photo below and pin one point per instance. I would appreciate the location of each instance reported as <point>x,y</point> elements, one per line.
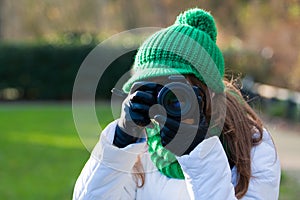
<point>106,175</point>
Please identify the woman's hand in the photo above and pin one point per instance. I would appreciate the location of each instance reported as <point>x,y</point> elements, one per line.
<point>134,115</point>
<point>181,137</point>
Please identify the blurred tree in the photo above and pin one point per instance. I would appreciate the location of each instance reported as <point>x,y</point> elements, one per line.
<point>160,10</point>
<point>269,29</point>
<point>2,4</point>
<point>130,15</point>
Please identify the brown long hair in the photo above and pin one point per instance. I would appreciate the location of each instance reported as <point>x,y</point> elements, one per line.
<point>237,136</point>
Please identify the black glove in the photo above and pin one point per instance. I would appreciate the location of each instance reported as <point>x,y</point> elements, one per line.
<point>183,140</point>
<point>134,115</point>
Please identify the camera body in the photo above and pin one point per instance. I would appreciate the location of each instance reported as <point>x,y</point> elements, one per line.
<point>177,98</point>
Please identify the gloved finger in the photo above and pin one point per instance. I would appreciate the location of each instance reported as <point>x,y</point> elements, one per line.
<point>177,128</point>
<point>168,132</point>
<point>139,120</point>
<point>199,91</point>
<point>196,90</point>
<point>143,86</point>
<point>201,97</point>
<point>167,122</point>
<point>165,139</point>
<point>142,97</point>
<point>139,108</point>
<point>202,120</point>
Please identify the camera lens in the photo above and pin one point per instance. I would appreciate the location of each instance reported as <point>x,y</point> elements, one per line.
<point>177,99</point>
<point>170,102</point>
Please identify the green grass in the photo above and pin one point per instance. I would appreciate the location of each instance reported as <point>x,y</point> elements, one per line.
<point>41,154</point>
<point>289,188</point>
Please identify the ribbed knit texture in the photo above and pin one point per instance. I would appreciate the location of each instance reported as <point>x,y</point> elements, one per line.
<point>164,160</point>
<point>187,47</point>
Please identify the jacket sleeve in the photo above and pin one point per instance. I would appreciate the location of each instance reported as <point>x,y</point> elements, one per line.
<point>107,173</point>
<point>207,172</point>
<point>266,171</point>
<point>208,175</point>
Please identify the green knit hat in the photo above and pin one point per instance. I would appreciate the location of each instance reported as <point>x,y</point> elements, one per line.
<point>187,47</point>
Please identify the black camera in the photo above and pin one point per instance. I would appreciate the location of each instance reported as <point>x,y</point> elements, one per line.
<point>176,96</point>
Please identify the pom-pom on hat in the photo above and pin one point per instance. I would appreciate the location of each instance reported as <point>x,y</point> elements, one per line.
<point>186,47</point>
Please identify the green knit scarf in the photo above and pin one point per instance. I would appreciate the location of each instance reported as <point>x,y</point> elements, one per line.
<point>164,160</point>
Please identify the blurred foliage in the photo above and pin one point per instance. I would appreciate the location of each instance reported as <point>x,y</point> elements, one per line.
<point>247,62</point>
<point>280,108</point>
<point>267,32</point>
<point>70,38</point>
<point>40,71</point>
<point>47,71</point>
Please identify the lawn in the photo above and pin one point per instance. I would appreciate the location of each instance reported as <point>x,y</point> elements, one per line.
<point>41,154</point>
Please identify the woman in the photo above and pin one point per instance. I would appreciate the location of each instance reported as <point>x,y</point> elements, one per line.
<point>219,150</point>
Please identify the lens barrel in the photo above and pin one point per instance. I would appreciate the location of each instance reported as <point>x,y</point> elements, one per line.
<point>178,99</point>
